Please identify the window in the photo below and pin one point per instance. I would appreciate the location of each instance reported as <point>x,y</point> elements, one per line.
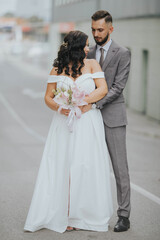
<point>126,89</point>
<point>144,80</point>
<point>64,2</point>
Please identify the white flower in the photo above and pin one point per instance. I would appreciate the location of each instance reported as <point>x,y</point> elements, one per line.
<point>66,94</point>
<point>58,95</point>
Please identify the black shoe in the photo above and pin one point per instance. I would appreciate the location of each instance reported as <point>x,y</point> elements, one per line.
<point>123,224</point>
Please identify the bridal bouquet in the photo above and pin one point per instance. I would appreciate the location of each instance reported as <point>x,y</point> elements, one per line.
<point>71,99</point>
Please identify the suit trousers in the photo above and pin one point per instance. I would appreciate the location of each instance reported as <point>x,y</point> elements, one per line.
<point>116,142</point>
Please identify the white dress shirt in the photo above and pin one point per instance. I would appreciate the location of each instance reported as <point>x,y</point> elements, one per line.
<point>105,47</point>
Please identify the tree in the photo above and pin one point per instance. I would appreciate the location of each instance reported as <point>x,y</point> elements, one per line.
<point>34,19</point>
<point>9,15</point>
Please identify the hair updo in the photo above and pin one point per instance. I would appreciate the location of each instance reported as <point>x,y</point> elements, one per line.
<point>71,51</point>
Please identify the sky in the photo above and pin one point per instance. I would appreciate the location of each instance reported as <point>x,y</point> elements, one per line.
<point>7,6</point>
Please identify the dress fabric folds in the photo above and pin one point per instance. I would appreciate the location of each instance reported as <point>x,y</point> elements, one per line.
<point>74,171</point>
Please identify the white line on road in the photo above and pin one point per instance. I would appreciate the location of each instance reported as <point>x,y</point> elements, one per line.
<point>31,93</point>
<point>135,187</point>
<point>146,193</point>
<point>143,192</point>
<point>19,120</point>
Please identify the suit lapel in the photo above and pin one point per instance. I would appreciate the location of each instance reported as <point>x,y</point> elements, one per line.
<point>111,52</point>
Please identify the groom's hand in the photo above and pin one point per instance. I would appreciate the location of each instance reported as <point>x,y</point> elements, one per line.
<point>86,108</point>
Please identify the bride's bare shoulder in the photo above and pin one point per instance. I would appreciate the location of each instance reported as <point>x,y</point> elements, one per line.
<point>91,63</point>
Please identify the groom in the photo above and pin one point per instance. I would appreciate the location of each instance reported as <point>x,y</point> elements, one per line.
<point>115,63</point>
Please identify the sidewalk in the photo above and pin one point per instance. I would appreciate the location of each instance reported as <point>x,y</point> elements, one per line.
<point>141,124</point>
<point>137,122</point>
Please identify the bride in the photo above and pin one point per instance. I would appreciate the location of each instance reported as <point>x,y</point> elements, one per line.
<point>72,190</point>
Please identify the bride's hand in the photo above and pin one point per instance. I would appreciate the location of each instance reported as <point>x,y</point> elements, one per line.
<point>65,111</point>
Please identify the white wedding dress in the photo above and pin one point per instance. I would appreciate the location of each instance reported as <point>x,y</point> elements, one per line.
<point>81,156</point>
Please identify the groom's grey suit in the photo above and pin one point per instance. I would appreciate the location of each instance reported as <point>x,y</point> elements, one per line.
<point>116,67</point>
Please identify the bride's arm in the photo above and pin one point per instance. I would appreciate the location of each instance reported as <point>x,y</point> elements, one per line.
<point>101,85</point>
<point>50,102</point>
<point>49,97</point>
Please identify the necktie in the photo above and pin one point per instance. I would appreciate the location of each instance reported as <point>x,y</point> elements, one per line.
<point>102,57</point>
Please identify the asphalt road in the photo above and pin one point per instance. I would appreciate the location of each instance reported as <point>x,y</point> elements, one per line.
<point>24,124</point>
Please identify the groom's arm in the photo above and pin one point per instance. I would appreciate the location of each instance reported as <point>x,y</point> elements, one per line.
<point>119,82</point>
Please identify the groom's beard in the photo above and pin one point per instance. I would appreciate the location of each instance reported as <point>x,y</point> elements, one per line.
<point>103,41</point>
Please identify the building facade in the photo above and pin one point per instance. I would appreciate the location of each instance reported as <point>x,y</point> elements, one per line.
<point>136,26</point>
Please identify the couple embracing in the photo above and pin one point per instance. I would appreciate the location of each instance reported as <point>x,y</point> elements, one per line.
<point>72,190</point>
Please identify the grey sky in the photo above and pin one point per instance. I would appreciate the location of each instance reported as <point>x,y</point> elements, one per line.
<point>7,6</point>
<point>26,8</point>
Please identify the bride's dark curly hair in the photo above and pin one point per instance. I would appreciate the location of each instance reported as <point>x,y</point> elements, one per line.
<point>71,52</point>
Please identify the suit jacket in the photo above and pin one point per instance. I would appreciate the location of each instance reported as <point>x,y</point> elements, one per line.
<point>116,67</point>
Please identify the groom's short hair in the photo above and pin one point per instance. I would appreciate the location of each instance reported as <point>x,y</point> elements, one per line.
<point>102,14</point>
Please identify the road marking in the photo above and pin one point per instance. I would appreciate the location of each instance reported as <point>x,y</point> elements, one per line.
<point>19,120</point>
<point>135,187</point>
<point>31,93</point>
<point>143,192</point>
